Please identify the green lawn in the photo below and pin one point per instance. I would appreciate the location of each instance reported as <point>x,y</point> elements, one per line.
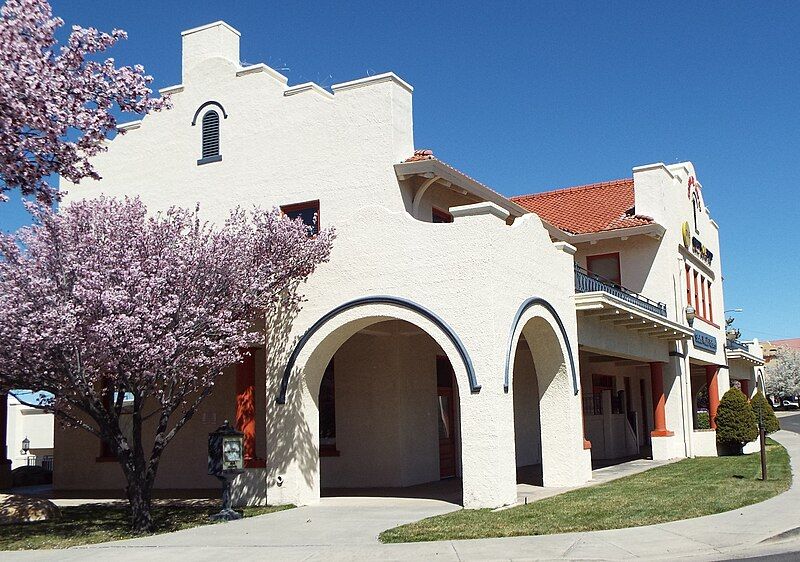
<point>681,490</point>
<point>94,523</point>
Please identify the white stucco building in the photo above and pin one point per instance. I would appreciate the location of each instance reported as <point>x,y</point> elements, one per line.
<point>451,335</point>
<point>29,432</point>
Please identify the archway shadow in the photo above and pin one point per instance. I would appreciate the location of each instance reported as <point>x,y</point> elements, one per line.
<point>287,434</point>
<point>448,490</point>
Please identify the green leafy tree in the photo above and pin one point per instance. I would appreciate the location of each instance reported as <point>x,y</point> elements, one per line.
<point>761,406</point>
<point>736,423</point>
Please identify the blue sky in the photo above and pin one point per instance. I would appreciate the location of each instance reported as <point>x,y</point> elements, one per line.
<point>528,96</point>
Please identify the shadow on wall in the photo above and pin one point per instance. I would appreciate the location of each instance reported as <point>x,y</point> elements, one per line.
<point>288,437</point>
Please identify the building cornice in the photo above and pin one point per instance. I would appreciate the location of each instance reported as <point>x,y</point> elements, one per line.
<point>370,80</point>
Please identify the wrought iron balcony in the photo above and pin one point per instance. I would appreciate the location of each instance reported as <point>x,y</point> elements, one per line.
<point>737,345</point>
<point>586,282</point>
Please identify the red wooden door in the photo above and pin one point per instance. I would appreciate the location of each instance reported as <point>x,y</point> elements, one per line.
<point>446,415</point>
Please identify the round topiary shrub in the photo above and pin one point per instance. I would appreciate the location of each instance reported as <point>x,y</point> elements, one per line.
<point>736,423</point>
<point>760,405</point>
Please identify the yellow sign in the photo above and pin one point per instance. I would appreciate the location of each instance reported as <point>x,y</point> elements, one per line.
<point>687,235</point>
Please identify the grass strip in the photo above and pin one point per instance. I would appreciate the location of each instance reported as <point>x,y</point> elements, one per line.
<point>681,490</point>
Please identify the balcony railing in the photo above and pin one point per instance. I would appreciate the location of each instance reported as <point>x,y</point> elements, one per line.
<point>586,282</point>
<point>737,345</point>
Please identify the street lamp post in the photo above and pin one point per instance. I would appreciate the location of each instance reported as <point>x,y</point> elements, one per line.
<point>226,461</point>
<point>762,438</point>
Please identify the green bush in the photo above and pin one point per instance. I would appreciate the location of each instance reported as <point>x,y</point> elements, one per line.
<point>760,405</point>
<point>736,423</point>
<point>702,421</point>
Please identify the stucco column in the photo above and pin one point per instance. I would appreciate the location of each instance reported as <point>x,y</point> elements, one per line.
<point>713,394</point>
<point>659,401</point>
<point>488,467</point>
<point>246,409</point>
<point>5,463</point>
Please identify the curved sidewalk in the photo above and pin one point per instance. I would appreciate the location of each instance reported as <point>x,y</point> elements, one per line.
<point>345,529</point>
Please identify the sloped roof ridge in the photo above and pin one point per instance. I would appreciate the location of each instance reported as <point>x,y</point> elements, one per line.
<point>586,187</point>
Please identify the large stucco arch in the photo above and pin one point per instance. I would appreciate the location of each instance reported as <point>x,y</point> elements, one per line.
<point>563,458</point>
<point>292,432</point>
<point>321,340</point>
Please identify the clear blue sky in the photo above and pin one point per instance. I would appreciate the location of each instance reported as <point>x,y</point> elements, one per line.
<point>528,96</point>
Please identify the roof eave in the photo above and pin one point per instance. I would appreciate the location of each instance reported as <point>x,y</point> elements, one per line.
<point>744,356</point>
<point>445,172</point>
<point>654,230</point>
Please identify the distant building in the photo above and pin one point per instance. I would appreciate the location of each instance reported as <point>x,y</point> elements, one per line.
<point>26,422</point>
<point>771,347</point>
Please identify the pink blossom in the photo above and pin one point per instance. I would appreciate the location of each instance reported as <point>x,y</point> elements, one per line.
<point>55,103</point>
<point>106,301</point>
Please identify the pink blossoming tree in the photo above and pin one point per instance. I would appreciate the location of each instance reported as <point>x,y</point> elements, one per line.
<point>56,103</point>
<point>109,307</point>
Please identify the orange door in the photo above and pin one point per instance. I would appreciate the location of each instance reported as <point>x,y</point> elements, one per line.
<point>447,441</point>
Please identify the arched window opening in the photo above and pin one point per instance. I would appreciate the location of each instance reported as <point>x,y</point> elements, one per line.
<point>210,147</point>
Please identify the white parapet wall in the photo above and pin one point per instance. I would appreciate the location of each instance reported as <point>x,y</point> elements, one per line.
<point>704,443</point>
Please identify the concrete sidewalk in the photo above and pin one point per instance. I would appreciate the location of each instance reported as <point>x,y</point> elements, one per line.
<point>345,529</point>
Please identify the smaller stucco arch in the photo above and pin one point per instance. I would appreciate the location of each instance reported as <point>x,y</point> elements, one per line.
<point>533,307</point>
<point>371,310</point>
<point>547,407</point>
<point>760,381</point>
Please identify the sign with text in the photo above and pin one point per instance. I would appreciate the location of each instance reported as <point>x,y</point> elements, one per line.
<point>704,341</point>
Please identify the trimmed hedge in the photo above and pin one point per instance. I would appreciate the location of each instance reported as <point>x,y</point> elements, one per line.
<point>736,423</point>
<point>760,405</point>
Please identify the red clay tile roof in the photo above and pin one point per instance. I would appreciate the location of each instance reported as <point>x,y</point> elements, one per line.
<point>793,343</point>
<point>423,154</point>
<point>587,208</point>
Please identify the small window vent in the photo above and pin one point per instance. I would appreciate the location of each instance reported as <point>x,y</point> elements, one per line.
<point>210,134</point>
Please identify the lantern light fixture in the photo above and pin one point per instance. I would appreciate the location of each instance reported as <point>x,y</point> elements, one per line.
<point>690,314</point>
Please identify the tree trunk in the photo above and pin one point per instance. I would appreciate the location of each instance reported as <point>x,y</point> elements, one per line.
<point>138,491</point>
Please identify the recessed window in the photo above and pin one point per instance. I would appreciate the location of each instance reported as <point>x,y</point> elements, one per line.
<point>307,211</point>
<point>710,308</point>
<point>210,146</point>
<point>439,216</point>
<point>605,266</point>
<point>698,294</point>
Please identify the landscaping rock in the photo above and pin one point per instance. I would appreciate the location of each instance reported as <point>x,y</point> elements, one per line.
<point>23,509</point>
